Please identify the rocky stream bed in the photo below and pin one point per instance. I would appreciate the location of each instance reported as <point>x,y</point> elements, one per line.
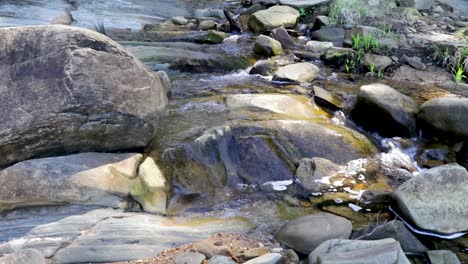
<point>253,131</point>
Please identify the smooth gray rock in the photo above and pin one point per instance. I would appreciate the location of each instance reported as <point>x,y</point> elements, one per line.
<point>445,116</point>
<point>270,258</point>
<point>443,257</point>
<point>77,234</point>
<point>297,72</point>
<point>343,251</point>
<point>273,17</point>
<point>179,20</point>
<point>380,108</point>
<point>306,233</point>
<point>267,46</point>
<point>189,258</point>
<point>221,260</point>
<point>379,62</point>
<point>396,230</point>
<point>416,63</point>
<point>67,90</point>
<point>207,25</point>
<point>335,35</point>
<point>204,13</point>
<point>26,256</point>
<point>436,199</point>
<point>311,171</point>
<point>319,46</point>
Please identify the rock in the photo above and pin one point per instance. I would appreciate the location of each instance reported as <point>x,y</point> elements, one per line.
<point>304,3</point>
<point>149,190</point>
<point>298,72</point>
<point>78,234</point>
<point>264,67</point>
<point>439,202</point>
<point>282,35</point>
<point>189,258</point>
<point>416,63</point>
<point>87,178</point>
<point>322,21</point>
<point>94,95</point>
<point>255,252</point>
<point>14,13</point>
<point>337,56</point>
<point>319,46</point>
<point>166,82</point>
<point>418,4</point>
<point>179,20</point>
<point>221,260</point>
<point>341,251</point>
<point>443,257</point>
<point>211,247</point>
<point>187,57</point>
<point>307,55</point>
<point>292,257</point>
<point>311,171</point>
<point>206,13</point>
<point>273,17</point>
<point>380,108</point>
<point>207,25</point>
<point>270,258</point>
<point>213,37</point>
<point>442,116</point>
<point>26,256</point>
<point>267,46</point>
<point>327,100</point>
<point>306,233</point>
<point>396,230</point>
<point>335,35</point>
<point>252,9</point>
<point>379,62</point>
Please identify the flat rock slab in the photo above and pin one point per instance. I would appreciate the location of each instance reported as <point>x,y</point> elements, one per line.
<point>78,234</point>
<point>22,13</point>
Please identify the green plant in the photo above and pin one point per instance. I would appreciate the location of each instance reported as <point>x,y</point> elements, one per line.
<point>305,13</point>
<point>370,43</point>
<point>100,27</point>
<point>372,68</point>
<point>356,41</point>
<point>349,65</point>
<point>347,11</point>
<point>380,73</point>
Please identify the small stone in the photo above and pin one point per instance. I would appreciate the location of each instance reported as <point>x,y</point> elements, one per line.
<point>211,247</point>
<point>189,258</point>
<point>221,260</point>
<point>319,46</point>
<point>416,63</point>
<point>298,72</point>
<point>255,252</point>
<point>267,46</point>
<point>207,25</point>
<point>443,257</point>
<point>179,20</point>
<point>270,258</point>
<point>282,35</point>
<point>379,62</point>
<point>264,67</point>
<point>213,37</point>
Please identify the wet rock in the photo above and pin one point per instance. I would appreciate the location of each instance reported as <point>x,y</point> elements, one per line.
<point>380,108</point>
<point>273,17</point>
<point>206,13</point>
<point>207,25</point>
<point>396,230</point>
<point>26,256</point>
<point>267,46</point>
<point>189,258</point>
<point>327,100</point>
<point>270,258</point>
<point>94,95</point>
<point>311,171</point>
<point>252,9</point>
<point>14,13</point>
<point>264,67</point>
<point>179,20</point>
<point>435,199</point>
<point>415,62</point>
<point>282,35</point>
<point>378,61</point>
<point>443,257</point>
<point>303,3</point>
<point>335,35</point>
<point>307,55</point>
<point>375,200</point>
<point>434,155</point>
<point>385,251</point>
<point>221,260</point>
<point>319,46</point>
<point>442,116</point>
<point>298,72</point>
<point>166,82</point>
<point>306,233</point>
<point>213,37</point>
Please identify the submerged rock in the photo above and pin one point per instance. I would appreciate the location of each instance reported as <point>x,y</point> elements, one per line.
<point>341,251</point>
<point>298,72</point>
<point>306,233</point>
<point>435,200</point>
<point>273,17</point>
<point>380,108</point>
<point>444,116</point>
<point>68,89</point>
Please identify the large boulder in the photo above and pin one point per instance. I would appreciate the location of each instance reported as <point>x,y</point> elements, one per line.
<point>297,72</point>
<point>342,251</point>
<point>273,17</point>
<point>66,89</point>
<point>445,116</point>
<point>86,178</point>
<point>380,108</point>
<point>306,233</point>
<point>436,200</point>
